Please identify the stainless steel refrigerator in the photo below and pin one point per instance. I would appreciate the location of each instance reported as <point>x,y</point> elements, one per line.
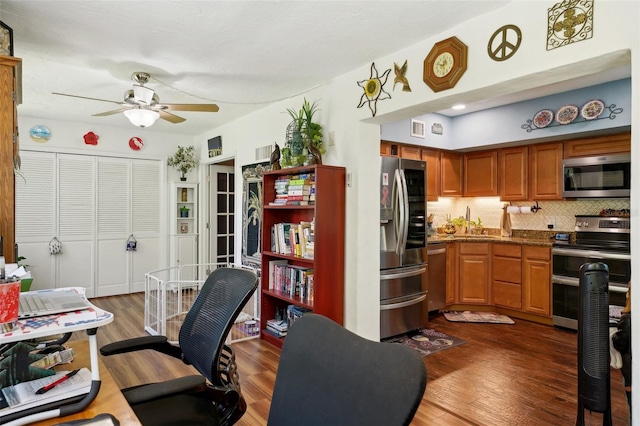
<point>403,246</point>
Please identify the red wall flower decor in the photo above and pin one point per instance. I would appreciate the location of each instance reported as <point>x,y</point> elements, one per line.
<point>91,138</point>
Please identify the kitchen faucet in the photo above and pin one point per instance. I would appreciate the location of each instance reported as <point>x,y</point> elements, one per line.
<point>468,218</point>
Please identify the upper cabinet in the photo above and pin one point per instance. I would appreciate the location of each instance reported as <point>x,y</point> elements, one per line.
<point>432,158</point>
<point>513,169</point>
<point>545,171</point>
<point>599,145</point>
<point>388,149</point>
<point>451,174</point>
<point>481,174</point>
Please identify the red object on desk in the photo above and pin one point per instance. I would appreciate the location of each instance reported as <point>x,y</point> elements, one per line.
<point>56,383</point>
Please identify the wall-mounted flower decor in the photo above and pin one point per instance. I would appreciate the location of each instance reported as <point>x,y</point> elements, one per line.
<point>91,138</point>
<point>374,89</point>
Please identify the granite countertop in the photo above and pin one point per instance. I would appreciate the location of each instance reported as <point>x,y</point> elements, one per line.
<point>527,237</point>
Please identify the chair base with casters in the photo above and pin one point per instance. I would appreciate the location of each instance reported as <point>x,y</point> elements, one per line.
<point>214,397</point>
<point>328,375</point>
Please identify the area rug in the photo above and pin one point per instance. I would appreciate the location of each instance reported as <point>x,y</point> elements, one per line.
<point>426,341</point>
<point>468,316</point>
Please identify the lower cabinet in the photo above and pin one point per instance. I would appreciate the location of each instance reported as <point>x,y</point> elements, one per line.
<point>474,275</point>
<point>506,273</point>
<point>536,280</point>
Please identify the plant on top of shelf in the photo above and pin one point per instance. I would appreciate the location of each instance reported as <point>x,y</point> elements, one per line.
<point>304,143</point>
<point>184,160</point>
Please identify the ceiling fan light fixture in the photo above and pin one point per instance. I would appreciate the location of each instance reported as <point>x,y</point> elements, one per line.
<point>142,117</point>
<point>143,94</point>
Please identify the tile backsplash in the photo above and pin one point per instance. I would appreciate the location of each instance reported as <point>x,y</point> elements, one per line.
<point>561,214</point>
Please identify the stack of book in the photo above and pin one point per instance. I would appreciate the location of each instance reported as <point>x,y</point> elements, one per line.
<point>294,190</point>
<point>293,238</point>
<point>276,327</point>
<point>293,280</point>
<point>295,312</point>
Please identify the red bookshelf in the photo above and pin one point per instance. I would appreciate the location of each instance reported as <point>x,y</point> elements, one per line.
<point>328,214</point>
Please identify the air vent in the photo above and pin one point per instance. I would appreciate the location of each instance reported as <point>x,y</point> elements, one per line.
<point>264,152</point>
<point>417,128</point>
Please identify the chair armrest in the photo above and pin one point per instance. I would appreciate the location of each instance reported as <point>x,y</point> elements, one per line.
<point>149,392</point>
<point>156,343</point>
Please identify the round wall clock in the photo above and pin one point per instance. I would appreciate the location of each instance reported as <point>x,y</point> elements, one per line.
<point>445,64</point>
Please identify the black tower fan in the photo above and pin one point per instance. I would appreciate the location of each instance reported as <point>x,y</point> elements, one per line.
<point>594,385</point>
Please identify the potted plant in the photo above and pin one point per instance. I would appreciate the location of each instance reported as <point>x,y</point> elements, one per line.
<point>184,160</point>
<point>304,143</point>
<point>184,211</point>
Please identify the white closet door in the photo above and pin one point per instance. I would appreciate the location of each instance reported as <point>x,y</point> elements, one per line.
<point>36,197</point>
<point>76,222</point>
<point>145,221</point>
<point>113,209</point>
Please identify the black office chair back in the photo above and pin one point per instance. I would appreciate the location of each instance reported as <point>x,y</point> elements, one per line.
<point>328,375</point>
<point>209,321</point>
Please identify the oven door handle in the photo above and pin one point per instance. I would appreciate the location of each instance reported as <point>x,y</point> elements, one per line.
<point>574,282</point>
<point>591,254</point>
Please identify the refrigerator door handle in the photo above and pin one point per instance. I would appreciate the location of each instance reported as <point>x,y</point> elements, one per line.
<point>405,210</point>
<point>398,201</point>
<point>404,304</point>
<point>403,274</point>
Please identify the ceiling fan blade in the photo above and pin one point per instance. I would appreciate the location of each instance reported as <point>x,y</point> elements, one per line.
<point>84,97</point>
<point>171,117</point>
<point>115,111</point>
<point>192,107</point>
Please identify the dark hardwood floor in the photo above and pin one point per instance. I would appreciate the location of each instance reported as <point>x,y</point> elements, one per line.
<point>522,374</point>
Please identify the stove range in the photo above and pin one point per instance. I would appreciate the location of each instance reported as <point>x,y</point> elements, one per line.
<point>603,239</point>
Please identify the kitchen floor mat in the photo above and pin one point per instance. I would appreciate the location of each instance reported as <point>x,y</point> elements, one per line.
<point>426,341</point>
<point>468,316</point>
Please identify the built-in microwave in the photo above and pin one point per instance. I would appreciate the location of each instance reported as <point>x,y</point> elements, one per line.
<point>597,177</point>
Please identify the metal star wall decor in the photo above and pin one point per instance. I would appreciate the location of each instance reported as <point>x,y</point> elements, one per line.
<point>569,22</point>
<point>401,76</point>
<point>374,89</point>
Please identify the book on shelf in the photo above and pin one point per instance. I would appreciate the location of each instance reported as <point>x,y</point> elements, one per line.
<point>272,271</point>
<point>293,280</point>
<point>278,325</point>
<point>275,333</point>
<point>295,312</point>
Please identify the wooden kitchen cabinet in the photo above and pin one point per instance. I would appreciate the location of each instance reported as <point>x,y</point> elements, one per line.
<point>410,152</point>
<point>536,280</point>
<point>598,145</point>
<point>513,173</point>
<point>451,166</point>
<point>481,174</point>
<point>432,158</point>
<point>388,149</point>
<point>545,171</point>
<point>473,270</point>
<point>506,273</point>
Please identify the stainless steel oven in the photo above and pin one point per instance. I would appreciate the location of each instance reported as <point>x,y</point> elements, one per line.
<point>598,239</point>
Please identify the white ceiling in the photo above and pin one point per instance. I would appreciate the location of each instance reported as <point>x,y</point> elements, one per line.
<point>238,54</point>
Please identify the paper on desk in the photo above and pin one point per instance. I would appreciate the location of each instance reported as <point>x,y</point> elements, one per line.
<point>23,394</point>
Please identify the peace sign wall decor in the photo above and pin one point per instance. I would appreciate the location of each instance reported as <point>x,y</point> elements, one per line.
<point>504,43</point>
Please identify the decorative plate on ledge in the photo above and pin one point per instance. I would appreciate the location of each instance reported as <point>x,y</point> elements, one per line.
<point>567,114</point>
<point>592,109</point>
<point>543,118</point>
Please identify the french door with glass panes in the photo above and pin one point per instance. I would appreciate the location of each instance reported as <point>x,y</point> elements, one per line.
<point>221,214</point>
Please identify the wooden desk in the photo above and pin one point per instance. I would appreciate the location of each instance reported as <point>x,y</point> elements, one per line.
<point>109,400</point>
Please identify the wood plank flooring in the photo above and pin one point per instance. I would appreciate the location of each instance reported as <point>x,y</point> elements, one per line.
<point>522,374</point>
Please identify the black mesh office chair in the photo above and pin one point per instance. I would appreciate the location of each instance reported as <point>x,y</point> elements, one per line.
<point>328,375</point>
<point>213,398</point>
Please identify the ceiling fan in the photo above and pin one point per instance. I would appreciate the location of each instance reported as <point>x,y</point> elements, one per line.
<point>142,105</point>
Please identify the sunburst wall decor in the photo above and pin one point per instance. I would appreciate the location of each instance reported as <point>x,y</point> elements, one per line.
<point>374,89</point>
<point>569,22</point>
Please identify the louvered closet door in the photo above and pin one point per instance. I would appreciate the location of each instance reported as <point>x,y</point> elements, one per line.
<point>36,196</point>
<point>113,209</point>
<point>145,222</point>
<point>128,205</point>
<point>76,222</point>
<point>55,199</point>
